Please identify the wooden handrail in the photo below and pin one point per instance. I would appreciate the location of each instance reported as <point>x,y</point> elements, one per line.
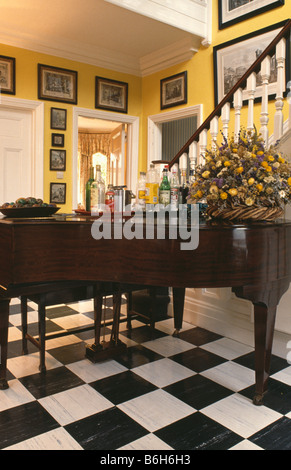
<point>228,97</point>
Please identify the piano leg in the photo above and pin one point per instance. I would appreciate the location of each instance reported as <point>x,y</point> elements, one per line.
<point>178,304</point>
<point>264,333</point>
<point>4,315</point>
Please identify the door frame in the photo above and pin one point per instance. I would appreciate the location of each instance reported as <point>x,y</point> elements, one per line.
<point>37,138</point>
<point>155,130</point>
<point>132,144</point>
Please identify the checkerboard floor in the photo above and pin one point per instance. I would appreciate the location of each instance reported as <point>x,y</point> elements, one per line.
<point>162,393</point>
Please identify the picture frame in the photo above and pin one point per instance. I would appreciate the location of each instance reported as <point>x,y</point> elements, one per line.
<point>57,84</point>
<point>231,12</point>
<point>173,90</point>
<point>233,58</point>
<point>111,95</point>
<point>7,75</point>
<point>58,193</point>
<point>58,140</point>
<point>57,160</point>
<point>59,119</point>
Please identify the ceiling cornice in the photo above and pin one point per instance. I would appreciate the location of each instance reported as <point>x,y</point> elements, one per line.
<point>105,58</point>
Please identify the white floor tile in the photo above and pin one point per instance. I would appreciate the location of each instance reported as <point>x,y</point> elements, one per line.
<point>246,445</point>
<point>90,372</point>
<point>15,319</point>
<point>163,372</point>
<point>62,341</point>
<point>14,334</point>
<point>167,326</point>
<point>58,439</point>
<point>283,376</point>
<point>168,345</point>
<point>148,442</point>
<point>231,375</point>
<point>156,409</point>
<point>15,395</point>
<point>21,366</point>
<point>73,321</point>
<point>240,415</point>
<point>74,404</point>
<point>227,348</point>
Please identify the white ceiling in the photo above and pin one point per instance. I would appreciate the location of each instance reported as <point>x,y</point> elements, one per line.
<point>91,31</point>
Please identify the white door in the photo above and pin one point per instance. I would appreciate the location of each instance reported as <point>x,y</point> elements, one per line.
<point>15,154</point>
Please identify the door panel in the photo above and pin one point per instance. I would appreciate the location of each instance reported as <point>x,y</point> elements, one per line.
<point>15,154</point>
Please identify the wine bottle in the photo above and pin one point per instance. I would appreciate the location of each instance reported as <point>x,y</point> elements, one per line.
<point>88,189</point>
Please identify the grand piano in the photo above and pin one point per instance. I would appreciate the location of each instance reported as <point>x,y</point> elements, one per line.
<point>253,259</point>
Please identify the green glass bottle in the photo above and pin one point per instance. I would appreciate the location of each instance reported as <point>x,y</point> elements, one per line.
<point>165,189</point>
<point>88,189</point>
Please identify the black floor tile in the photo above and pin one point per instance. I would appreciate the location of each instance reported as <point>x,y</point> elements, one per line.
<point>142,334</point>
<point>61,311</point>
<point>198,432</point>
<point>137,356</point>
<point>198,336</point>
<point>69,353</point>
<point>122,387</point>
<point>198,359</point>
<point>107,430</point>
<point>248,360</point>
<point>23,422</point>
<point>198,391</point>
<point>51,382</point>
<point>277,397</point>
<point>277,436</point>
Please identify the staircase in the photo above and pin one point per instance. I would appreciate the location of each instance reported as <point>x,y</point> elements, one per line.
<point>207,134</point>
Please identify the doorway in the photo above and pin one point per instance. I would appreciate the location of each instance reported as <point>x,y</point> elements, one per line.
<point>21,149</point>
<point>101,142</point>
<point>124,133</point>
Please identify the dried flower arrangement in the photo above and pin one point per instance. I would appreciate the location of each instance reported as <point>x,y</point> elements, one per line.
<point>242,180</point>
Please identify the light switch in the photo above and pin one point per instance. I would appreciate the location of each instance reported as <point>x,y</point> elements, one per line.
<point>60,175</point>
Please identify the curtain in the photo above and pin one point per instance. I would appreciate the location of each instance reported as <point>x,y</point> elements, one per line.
<point>88,145</point>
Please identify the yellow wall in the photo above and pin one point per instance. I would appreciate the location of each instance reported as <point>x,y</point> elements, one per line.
<point>200,68</point>
<point>144,93</point>
<point>27,86</point>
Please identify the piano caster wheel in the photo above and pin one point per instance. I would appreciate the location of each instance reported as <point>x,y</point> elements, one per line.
<point>3,384</point>
<point>258,399</point>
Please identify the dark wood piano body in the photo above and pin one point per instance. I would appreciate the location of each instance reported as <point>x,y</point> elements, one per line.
<point>255,260</point>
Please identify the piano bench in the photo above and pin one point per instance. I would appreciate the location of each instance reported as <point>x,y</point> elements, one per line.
<point>62,292</point>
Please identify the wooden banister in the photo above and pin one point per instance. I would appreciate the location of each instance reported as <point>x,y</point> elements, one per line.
<point>228,97</point>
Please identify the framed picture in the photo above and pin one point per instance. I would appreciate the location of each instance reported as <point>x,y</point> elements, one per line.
<point>174,90</point>
<point>7,75</point>
<point>57,84</point>
<point>57,160</point>
<point>58,118</point>
<point>58,140</point>
<point>111,95</point>
<point>58,193</point>
<point>233,58</point>
<point>234,11</point>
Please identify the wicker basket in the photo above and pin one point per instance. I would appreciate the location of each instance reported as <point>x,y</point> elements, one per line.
<point>245,213</point>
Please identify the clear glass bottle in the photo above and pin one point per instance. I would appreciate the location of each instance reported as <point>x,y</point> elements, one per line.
<point>175,190</point>
<point>152,186</point>
<point>165,189</point>
<point>97,193</point>
<point>88,190</point>
<point>141,191</point>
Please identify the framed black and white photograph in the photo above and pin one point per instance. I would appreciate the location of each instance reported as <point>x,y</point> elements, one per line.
<point>58,193</point>
<point>59,119</point>
<point>111,95</point>
<point>58,140</point>
<point>57,160</point>
<point>233,58</point>
<point>7,75</point>
<point>234,11</point>
<point>173,90</point>
<point>57,84</point>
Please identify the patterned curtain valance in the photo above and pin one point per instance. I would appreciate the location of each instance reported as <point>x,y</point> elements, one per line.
<point>88,145</point>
